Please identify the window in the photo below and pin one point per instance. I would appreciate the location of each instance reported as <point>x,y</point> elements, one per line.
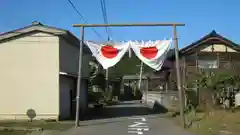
<point>207,64</point>
<point>207,61</point>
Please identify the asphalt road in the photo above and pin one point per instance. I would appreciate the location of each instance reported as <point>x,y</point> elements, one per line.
<point>127,118</point>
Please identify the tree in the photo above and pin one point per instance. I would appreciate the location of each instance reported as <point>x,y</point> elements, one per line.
<point>97,78</point>
<point>217,84</point>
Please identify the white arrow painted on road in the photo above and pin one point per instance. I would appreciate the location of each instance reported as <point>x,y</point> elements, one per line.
<point>138,127</point>
<point>137,124</point>
<point>141,118</point>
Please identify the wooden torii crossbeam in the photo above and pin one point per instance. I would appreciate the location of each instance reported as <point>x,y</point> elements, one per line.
<point>173,25</point>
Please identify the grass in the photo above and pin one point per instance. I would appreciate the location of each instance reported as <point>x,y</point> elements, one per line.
<point>38,124</point>
<point>219,122</point>
<point>13,133</point>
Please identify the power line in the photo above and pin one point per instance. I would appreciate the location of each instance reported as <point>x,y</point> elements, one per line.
<point>104,10</point>
<point>82,18</point>
<point>104,14</point>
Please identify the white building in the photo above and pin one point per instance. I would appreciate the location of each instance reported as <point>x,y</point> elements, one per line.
<point>38,72</point>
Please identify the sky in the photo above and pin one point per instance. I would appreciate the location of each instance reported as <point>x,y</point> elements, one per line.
<point>200,17</point>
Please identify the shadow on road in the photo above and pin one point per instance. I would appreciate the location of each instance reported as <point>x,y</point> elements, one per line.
<point>124,109</point>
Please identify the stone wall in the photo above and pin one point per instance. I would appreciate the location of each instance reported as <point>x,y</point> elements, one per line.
<point>165,100</point>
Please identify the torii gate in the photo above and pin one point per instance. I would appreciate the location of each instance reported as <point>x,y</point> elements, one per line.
<point>173,25</point>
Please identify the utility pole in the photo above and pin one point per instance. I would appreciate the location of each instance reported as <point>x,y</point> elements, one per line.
<point>79,77</point>
<point>106,83</point>
<point>140,76</point>
<point>179,86</point>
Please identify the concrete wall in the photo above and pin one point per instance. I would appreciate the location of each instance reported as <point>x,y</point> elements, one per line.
<point>69,56</point>
<point>29,77</point>
<point>168,100</point>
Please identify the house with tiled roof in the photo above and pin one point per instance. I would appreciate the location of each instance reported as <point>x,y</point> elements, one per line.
<point>211,52</point>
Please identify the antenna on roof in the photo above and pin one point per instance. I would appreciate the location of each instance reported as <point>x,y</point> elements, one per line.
<point>36,23</point>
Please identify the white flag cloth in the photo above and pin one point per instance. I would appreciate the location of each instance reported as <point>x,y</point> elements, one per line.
<point>108,55</point>
<point>152,53</point>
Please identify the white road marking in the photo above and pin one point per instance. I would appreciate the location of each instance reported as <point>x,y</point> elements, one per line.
<point>138,127</point>
<point>137,124</point>
<point>141,118</point>
<point>135,132</point>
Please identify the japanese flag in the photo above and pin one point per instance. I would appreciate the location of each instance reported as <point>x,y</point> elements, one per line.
<point>108,55</point>
<point>152,53</point>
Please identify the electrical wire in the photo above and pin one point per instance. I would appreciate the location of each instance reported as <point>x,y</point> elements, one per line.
<point>82,18</point>
<point>104,14</point>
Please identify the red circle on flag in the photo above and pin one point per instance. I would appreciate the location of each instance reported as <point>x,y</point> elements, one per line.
<point>149,52</point>
<point>109,52</point>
